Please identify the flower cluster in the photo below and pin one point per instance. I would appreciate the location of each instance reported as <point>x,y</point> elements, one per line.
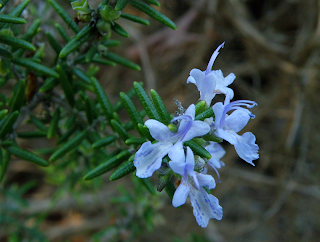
<point>229,118</point>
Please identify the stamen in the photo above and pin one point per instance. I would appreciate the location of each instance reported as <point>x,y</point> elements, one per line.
<point>217,172</point>
<point>237,105</point>
<point>188,124</point>
<point>213,58</point>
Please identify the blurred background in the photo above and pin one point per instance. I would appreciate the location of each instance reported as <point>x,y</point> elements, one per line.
<point>273,48</point>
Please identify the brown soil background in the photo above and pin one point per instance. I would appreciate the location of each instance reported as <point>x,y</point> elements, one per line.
<point>273,47</point>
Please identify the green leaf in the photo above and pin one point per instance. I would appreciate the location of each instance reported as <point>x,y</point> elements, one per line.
<point>5,159</point>
<point>131,109</point>
<point>206,114</point>
<point>32,134</point>
<point>62,32</point>
<point>11,19</point>
<point>102,98</point>
<point>19,9</point>
<point>53,124</point>
<point>81,75</point>
<point>117,127</point>
<point>18,98</point>
<point>135,19</point>
<point>19,43</point>
<point>164,180</point>
<point>66,85</point>
<point>165,117</point>
<point>170,189</point>
<point>68,146</point>
<point>146,102</point>
<point>102,61</point>
<point>197,149</point>
<point>49,83</point>
<point>154,2</point>
<point>3,3</point>
<point>32,30</point>
<point>65,16</point>
<point>119,105</point>
<point>212,137</point>
<point>122,61</point>
<point>135,141</point>
<point>91,53</point>
<point>104,142</point>
<point>119,30</point>
<point>3,113</point>
<point>120,5</point>
<point>74,44</point>
<point>25,62</point>
<point>8,124</point>
<point>38,123</point>
<point>108,165</point>
<point>130,126</point>
<point>67,134</point>
<point>26,155</point>
<point>89,109</point>
<point>84,31</point>
<point>200,107</point>
<point>111,43</point>
<point>124,169</point>
<point>145,131</point>
<point>147,184</point>
<point>16,12</point>
<point>153,13</point>
<point>5,53</point>
<point>53,43</point>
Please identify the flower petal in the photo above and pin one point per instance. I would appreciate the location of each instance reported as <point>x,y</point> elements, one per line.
<point>196,77</point>
<point>198,128</point>
<point>158,130</point>
<point>237,120</point>
<point>228,135</point>
<point>205,206</point>
<point>149,157</point>
<point>217,152</point>
<point>176,152</point>
<point>191,111</point>
<point>180,195</point>
<point>206,181</point>
<point>218,109</point>
<point>208,88</point>
<point>246,148</point>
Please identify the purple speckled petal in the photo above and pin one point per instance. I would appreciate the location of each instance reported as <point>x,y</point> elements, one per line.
<point>149,158</point>
<point>205,206</point>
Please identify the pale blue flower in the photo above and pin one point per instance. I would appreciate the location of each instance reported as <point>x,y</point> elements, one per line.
<point>211,82</point>
<point>217,152</point>
<point>205,206</point>
<point>227,127</point>
<point>149,157</point>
